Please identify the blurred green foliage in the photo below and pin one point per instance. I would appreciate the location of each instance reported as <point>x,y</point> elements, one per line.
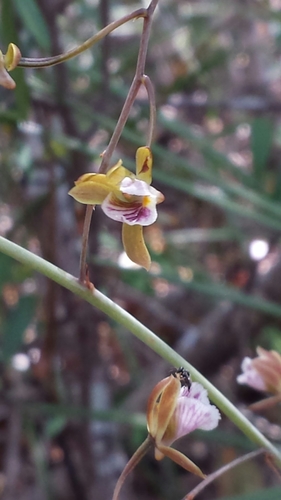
<point>215,67</point>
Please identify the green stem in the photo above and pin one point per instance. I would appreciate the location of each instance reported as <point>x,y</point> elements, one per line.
<point>45,62</point>
<point>103,303</point>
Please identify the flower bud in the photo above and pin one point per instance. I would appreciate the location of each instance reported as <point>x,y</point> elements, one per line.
<point>263,372</point>
<point>8,62</point>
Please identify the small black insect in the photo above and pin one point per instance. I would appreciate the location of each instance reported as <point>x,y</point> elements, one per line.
<point>183,375</point>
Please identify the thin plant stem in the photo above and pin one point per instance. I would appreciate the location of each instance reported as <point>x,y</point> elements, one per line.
<point>120,125</point>
<point>122,317</point>
<point>152,108</point>
<point>44,62</point>
<point>209,479</point>
<point>137,82</point>
<point>85,235</point>
<point>134,460</point>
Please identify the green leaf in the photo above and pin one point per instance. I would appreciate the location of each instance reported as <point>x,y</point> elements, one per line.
<point>6,269</point>
<point>21,94</point>
<point>17,320</point>
<point>206,194</point>
<point>8,29</point>
<point>11,271</point>
<point>261,141</point>
<point>34,21</point>
<point>268,494</point>
<point>225,292</point>
<point>55,425</point>
<point>81,412</point>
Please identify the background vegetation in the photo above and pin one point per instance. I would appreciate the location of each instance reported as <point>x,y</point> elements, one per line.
<point>74,384</point>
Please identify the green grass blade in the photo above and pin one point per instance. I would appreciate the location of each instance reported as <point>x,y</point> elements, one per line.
<point>261,141</point>
<point>34,22</point>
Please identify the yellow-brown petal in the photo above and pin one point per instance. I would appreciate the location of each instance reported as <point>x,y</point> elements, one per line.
<point>273,358</point>
<point>153,407</point>
<point>117,173</point>
<point>134,245</point>
<point>167,405</point>
<point>144,164</point>
<point>268,366</point>
<point>91,177</point>
<point>181,460</point>
<point>91,189</point>
<point>269,375</point>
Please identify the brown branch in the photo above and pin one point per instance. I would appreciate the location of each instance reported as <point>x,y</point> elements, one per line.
<point>44,62</point>
<point>138,80</point>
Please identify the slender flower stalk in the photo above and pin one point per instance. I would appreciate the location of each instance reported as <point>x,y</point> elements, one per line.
<point>152,107</point>
<point>137,81</point>
<point>44,62</point>
<point>134,460</point>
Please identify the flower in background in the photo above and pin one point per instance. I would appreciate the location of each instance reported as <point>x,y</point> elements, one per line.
<point>127,198</point>
<point>174,410</point>
<point>262,373</point>
<point>8,62</point>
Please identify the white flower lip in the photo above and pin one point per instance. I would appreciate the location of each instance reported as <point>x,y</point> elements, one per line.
<point>141,210</point>
<point>194,411</point>
<point>136,187</point>
<point>139,188</point>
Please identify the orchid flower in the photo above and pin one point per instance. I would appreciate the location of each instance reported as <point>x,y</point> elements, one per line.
<point>263,372</point>
<point>8,62</point>
<point>127,198</point>
<point>175,408</point>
